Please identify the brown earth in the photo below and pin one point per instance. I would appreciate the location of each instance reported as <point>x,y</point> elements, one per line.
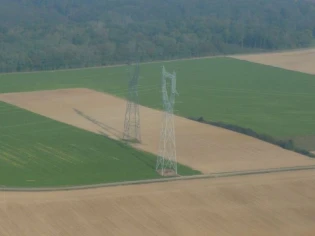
<point>297,60</point>
<point>272,204</point>
<point>200,146</point>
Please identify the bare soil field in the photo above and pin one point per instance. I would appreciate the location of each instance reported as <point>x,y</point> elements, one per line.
<point>297,60</point>
<point>200,146</point>
<point>272,204</point>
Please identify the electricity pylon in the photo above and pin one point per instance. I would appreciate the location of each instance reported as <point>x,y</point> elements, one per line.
<point>166,161</point>
<point>132,115</point>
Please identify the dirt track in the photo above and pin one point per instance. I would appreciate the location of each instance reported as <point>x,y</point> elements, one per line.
<point>273,204</point>
<point>298,60</point>
<point>203,147</point>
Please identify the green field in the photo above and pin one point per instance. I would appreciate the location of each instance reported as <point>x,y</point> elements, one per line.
<point>268,100</point>
<point>37,151</point>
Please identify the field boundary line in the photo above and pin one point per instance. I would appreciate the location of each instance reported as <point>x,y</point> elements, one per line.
<point>170,179</point>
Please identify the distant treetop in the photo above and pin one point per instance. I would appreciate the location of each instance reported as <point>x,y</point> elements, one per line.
<point>53,34</point>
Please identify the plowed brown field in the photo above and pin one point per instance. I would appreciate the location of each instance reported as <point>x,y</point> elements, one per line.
<point>200,146</point>
<point>298,60</point>
<point>273,204</point>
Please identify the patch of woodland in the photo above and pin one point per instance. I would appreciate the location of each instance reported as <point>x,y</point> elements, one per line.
<point>62,34</point>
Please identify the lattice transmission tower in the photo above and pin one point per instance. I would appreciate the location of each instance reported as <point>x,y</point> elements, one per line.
<point>132,116</point>
<point>166,162</point>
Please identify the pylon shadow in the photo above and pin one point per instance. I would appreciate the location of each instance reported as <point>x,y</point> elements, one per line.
<point>121,143</point>
<point>108,129</point>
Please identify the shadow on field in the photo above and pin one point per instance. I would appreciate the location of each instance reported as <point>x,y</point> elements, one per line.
<point>106,128</point>
<point>121,143</point>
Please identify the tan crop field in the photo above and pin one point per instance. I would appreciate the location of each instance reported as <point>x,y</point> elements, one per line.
<point>203,147</point>
<point>297,60</point>
<point>272,204</point>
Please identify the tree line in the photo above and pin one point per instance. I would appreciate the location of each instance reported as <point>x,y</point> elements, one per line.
<point>55,34</point>
<point>285,144</point>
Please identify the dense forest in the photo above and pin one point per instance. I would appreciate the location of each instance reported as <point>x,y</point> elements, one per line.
<point>53,34</point>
